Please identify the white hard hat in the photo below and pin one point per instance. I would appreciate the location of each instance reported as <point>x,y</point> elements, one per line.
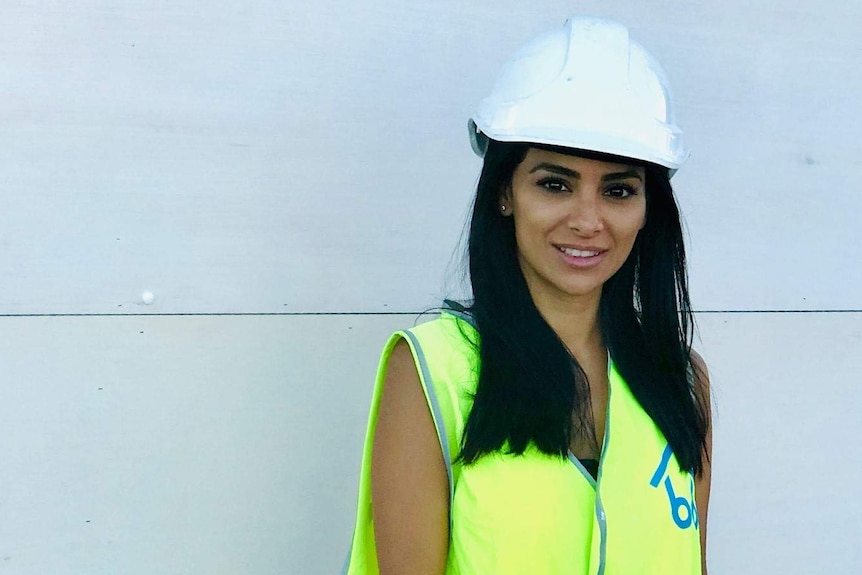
<point>586,86</point>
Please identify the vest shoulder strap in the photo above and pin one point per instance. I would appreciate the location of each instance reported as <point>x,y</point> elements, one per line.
<point>446,354</point>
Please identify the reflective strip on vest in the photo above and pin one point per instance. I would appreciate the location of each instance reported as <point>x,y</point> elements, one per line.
<point>537,513</point>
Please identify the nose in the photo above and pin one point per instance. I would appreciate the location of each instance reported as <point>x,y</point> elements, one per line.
<point>585,214</point>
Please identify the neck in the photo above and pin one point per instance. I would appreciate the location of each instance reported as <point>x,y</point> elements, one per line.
<point>575,320</point>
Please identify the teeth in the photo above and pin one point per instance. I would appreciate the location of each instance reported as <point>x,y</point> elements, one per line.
<point>578,253</point>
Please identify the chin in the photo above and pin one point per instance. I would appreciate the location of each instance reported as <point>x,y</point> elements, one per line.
<point>579,290</point>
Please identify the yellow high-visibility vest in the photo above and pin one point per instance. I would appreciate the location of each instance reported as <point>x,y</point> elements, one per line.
<point>537,514</point>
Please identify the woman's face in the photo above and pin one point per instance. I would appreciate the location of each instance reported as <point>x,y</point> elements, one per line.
<point>575,219</point>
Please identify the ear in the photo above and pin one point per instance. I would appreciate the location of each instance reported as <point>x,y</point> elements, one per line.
<point>504,202</point>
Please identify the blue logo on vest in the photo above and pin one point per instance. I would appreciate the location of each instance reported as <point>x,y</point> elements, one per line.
<point>682,510</point>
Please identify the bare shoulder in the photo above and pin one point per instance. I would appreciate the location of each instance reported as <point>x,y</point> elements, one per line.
<point>701,374</point>
<point>404,420</point>
<point>401,373</point>
<point>703,481</point>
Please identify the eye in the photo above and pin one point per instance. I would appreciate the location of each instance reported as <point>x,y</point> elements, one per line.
<point>620,191</point>
<point>553,185</point>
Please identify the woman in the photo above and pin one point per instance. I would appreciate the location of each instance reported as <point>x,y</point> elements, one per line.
<point>560,422</point>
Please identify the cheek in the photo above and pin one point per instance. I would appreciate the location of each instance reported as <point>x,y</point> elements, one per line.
<point>529,239</point>
<point>643,213</point>
<point>524,234</point>
<point>629,227</point>
<point>639,215</point>
<point>532,228</point>
<point>539,215</point>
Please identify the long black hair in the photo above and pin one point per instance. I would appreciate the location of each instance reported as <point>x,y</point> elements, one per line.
<point>531,390</point>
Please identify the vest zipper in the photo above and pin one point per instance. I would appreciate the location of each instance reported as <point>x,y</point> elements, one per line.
<point>601,518</point>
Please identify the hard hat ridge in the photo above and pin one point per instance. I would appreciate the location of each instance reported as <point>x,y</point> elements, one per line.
<point>587,86</point>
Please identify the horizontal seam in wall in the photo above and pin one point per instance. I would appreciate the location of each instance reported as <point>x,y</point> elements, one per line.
<point>779,311</point>
<point>379,313</point>
<point>207,314</point>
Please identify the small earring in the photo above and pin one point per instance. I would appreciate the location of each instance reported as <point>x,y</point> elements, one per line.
<point>503,209</point>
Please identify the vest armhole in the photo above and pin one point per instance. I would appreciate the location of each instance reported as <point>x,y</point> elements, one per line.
<point>362,555</point>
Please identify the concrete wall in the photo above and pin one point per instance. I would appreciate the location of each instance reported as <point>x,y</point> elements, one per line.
<point>258,165</point>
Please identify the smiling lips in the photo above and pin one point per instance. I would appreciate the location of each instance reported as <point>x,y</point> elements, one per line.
<point>579,253</point>
<point>581,258</point>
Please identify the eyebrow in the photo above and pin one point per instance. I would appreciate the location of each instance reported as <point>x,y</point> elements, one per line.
<point>570,173</point>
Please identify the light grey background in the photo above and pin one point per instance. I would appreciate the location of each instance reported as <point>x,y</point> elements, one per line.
<point>288,158</point>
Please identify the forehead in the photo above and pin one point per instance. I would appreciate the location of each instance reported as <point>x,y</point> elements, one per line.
<point>537,156</point>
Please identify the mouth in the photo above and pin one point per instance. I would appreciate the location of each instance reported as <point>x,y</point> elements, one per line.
<point>576,253</point>
<point>581,258</point>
